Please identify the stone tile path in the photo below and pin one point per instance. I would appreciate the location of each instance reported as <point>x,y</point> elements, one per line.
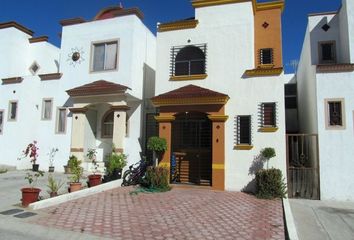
<point>178,214</point>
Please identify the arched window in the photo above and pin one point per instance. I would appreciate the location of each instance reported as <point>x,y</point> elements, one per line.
<point>107,125</point>
<point>189,60</point>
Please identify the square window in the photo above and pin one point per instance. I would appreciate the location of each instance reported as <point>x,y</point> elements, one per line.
<point>1,121</point>
<point>47,106</point>
<point>13,110</point>
<point>105,56</point>
<point>327,52</point>
<point>268,115</point>
<point>266,56</point>
<point>335,117</point>
<point>61,120</point>
<point>244,130</point>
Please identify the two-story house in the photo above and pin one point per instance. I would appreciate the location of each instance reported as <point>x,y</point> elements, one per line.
<point>220,92</point>
<point>326,97</point>
<point>90,93</point>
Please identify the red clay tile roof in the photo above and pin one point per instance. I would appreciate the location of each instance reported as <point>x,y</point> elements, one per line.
<point>189,91</point>
<point>97,88</point>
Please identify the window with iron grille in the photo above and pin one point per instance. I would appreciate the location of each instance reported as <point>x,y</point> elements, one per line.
<point>327,52</point>
<point>266,56</point>
<point>13,107</point>
<point>335,113</point>
<point>244,133</point>
<point>188,60</point>
<point>268,115</point>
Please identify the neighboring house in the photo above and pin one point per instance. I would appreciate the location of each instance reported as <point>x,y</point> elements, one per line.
<point>91,93</point>
<point>220,92</point>
<point>325,80</point>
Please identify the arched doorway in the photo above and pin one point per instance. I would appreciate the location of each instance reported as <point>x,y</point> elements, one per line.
<point>192,147</point>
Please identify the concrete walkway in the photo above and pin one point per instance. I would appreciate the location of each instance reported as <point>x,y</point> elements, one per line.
<point>178,214</point>
<point>323,220</point>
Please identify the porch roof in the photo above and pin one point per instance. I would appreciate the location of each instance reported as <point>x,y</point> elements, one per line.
<point>97,88</point>
<point>188,95</point>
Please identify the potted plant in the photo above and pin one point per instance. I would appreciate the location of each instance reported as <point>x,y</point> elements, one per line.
<point>268,153</point>
<point>31,194</point>
<point>53,186</point>
<point>71,163</point>
<point>77,172</point>
<point>114,165</point>
<point>157,145</point>
<point>94,179</point>
<point>31,151</point>
<point>51,155</point>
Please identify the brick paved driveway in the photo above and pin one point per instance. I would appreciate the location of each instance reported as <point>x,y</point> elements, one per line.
<point>178,214</point>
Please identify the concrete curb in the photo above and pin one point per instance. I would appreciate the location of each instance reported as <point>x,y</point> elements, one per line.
<point>75,195</point>
<point>289,220</point>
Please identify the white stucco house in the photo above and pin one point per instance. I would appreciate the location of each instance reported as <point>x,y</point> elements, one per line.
<point>92,92</point>
<point>220,92</point>
<point>325,80</point>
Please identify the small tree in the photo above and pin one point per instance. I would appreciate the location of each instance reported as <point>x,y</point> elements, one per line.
<point>156,145</point>
<point>268,153</point>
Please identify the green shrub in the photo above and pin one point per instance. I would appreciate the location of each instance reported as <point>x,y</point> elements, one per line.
<point>268,153</point>
<point>116,162</point>
<point>156,178</point>
<point>73,162</point>
<point>270,184</point>
<point>157,144</point>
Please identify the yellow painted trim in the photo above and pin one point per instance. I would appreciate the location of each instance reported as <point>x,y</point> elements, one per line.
<point>263,72</point>
<point>266,66</point>
<point>218,118</point>
<point>165,118</point>
<point>189,77</point>
<point>268,129</point>
<point>190,101</point>
<point>164,165</point>
<point>219,166</point>
<point>270,5</point>
<point>180,25</point>
<point>207,3</point>
<point>243,147</point>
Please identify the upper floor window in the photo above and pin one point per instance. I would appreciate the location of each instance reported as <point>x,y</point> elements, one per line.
<point>334,113</point>
<point>266,56</point>
<point>47,106</point>
<point>188,60</point>
<point>1,121</point>
<point>268,115</point>
<point>105,56</point>
<point>61,120</point>
<point>12,110</point>
<point>327,52</point>
<point>107,125</point>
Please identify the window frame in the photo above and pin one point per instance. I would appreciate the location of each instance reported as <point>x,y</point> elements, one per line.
<point>92,54</point>
<point>43,109</point>
<point>103,124</point>
<point>271,57</point>
<point>57,120</point>
<point>10,111</point>
<point>320,53</point>
<point>328,126</point>
<point>2,122</point>
<point>239,129</point>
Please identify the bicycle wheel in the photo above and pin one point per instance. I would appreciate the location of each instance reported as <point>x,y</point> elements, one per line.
<point>127,178</point>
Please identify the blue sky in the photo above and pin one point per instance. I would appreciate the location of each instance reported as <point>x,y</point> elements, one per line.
<point>43,16</point>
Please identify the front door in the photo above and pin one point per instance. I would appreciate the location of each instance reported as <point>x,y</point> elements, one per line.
<point>191,147</point>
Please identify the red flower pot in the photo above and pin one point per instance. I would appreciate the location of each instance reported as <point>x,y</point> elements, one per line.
<point>29,195</point>
<point>95,179</point>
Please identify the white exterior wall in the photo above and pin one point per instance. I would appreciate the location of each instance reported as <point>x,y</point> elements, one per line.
<point>336,146</point>
<point>133,53</point>
<point>228,31</point>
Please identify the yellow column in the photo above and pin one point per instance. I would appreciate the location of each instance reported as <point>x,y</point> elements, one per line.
<point>165,128</point>
<point>78,132</point>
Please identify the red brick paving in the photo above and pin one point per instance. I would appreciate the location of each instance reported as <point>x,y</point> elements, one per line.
<point>178,214</point>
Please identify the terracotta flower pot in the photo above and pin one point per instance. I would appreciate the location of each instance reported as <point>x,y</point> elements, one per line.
<point>29,195</point>
<point>53,194</point>
<point>94,179</point>
<point>75,186</point>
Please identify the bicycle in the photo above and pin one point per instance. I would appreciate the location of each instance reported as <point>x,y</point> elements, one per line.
<point>135,173</point>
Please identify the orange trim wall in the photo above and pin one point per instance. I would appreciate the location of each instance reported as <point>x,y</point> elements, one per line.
<point>269,37</point>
